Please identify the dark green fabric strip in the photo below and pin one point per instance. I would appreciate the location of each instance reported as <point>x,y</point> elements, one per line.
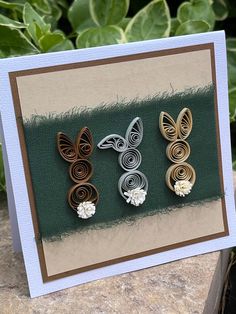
<point>50,176</point>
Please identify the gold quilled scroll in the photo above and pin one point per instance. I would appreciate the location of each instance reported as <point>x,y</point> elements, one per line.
<point>181,176</point>
<point>83,196</point>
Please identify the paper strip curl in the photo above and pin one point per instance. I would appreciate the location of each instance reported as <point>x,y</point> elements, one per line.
<point>178,151</point>
<point>80,193</point>
<point>132,180</point>
<point>81,170</point>
<point>180,172</point>
<point>130,159</point>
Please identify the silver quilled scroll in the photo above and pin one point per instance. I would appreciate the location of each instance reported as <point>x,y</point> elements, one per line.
<point>133,184</point>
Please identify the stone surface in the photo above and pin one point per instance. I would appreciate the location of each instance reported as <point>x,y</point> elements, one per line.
<point>179,287</point>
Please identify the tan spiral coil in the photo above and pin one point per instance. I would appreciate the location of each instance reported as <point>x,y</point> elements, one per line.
<point>178,172</point>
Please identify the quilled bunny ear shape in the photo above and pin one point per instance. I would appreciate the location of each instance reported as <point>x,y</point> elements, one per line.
<point>168,127</point>
<point>184,123</point>
<point>84,143</point>
<point>66,147</point>
<point>134,133</point>
<point>115,141</point>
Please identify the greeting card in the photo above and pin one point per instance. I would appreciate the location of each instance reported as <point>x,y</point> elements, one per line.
<point>118,156</point>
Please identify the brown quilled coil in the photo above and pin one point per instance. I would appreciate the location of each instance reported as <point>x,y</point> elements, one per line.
<point>82,192</point>
<point>81,169</point>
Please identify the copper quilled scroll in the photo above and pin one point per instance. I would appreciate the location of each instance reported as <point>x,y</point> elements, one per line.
<point>83,196</point>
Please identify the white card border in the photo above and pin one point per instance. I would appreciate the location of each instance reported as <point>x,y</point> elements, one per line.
<point>15,162</point>
<point>10,197</point>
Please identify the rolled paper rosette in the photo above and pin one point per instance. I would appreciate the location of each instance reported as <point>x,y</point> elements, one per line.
<point>183,187</point>
<point>86,210</point>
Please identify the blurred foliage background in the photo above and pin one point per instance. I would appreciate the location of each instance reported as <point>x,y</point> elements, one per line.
<point>39,26</point>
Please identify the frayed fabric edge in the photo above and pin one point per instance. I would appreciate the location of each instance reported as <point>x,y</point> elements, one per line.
<point>35,120</point>
<point>128,220</point>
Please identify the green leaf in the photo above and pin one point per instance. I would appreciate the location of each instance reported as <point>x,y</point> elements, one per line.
<point>47,41</point>
<point>66,44</point>
<point>232,104</point>
<point>220,9</point>
<point>54,42</point>
<point>100,36</point>
<point>231,8</point>
<point>153,21</point>
<point>54,17</point>
<point>192,27</point>
<point>196,10</point>
<point>36,26</point>
<point>2,176</point>
<point>63,4</point>
<point>79,16</point>
<point>234,165</point>
<point>5,21</point>
<point>123,24</point>
<point>231,44</point>
<point>231,58</point>
<point>11,5</point>
<point>174,25</point>
<point>14,43</point>
<point>41,5</point>
<point>110,12</point>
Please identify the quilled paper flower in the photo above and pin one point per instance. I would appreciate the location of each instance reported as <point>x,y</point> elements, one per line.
<point>182,187</point>
<point>136,196</point>
<point>86,210</point>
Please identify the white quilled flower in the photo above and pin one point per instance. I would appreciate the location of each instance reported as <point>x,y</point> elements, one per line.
<point>86,210</point>
<point>136,196</point>
<point>183,187</point>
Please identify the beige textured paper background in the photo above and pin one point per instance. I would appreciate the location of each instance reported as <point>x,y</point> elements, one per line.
<point>59,91</point>
<point>79,250</point>
<point>62,90</point>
